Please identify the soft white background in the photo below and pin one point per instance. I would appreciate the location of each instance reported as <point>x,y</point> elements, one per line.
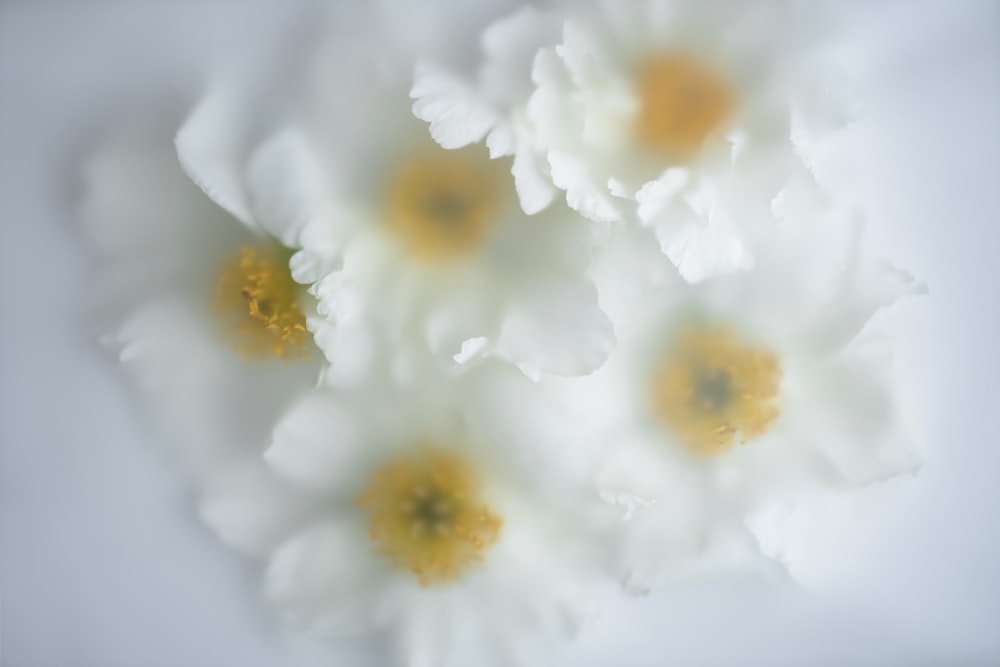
<point>103,561</point>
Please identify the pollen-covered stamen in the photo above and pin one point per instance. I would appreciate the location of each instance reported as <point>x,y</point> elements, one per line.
<point>425,514</point>
<point>258,301</point>
<point>443,204</point>
<point>713,388</point>
<point>682,101</point>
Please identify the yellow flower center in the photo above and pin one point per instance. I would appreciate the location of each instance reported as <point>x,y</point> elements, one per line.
<point>682,102</point>
<point>426,516</point>
<point>443,205</point>
<point>713,388</point>
<point>257,299</point>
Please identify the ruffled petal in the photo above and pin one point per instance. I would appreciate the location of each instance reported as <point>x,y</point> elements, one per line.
<point>457,114</point>
<point>583,192</point>
<point>699,248</point>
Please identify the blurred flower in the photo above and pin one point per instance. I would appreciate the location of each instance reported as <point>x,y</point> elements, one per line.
<point>434,254</point>
<point>679,115</point>
<point>333,316</point>
<point>199,300</point>
<point>456,516</point>
<point>744,395</point>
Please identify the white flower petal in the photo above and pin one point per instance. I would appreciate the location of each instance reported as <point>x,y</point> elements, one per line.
<point>319,444</point>
<point>526,430</point>
<point>286,186</point>
<point>874,286</point>
<point>674,527</point>
<point>252,508</point>
<point>210,147</point>
<point>583,193</point>
<point>327,580</point>
<point>856,418</point>
<point>458,116</point>
<point>534,187</point>
<point>630,263</point>
<point>534,596</point>
<point>351,348</point>
<point>557,326</point>
<point>812,540</point>
<point>812,281</point>
<point>310,265</point>
<point>501,141</point>
<point>653,197</point>
<point>213,405</point>
<point>471,348</point>
<point>481,627</point>
<point>510,45</point>
<point>583,53</point>
<point>786,466</point>
<point>698,248</point>
<point>467,310</point>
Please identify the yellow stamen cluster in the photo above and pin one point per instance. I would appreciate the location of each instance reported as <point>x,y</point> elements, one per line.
<point>426,516</point>
<point>713,388</point>
<point>682,103</point>
<point>258,301</point>
<point>443,205</point>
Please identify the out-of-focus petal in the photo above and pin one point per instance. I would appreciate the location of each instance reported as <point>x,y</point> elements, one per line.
<point>254,509</point>
<point>213,406</point>
<point>211,147</point>
<point>138,200</point>
<point>856,418</point>
<point>319,444</point>
<point>558,327</point>
<point>326,581</point>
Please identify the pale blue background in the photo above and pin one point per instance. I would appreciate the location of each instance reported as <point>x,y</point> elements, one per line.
<point>103,563</point>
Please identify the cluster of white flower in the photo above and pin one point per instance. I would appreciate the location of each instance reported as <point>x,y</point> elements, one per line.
<point>458,353</point>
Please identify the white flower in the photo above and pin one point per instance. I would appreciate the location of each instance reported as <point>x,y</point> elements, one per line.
<point>733,403</point>
<point>454,515</point>
<point>199,299</point>
<point>678,114</point>
<point>434,251</point>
